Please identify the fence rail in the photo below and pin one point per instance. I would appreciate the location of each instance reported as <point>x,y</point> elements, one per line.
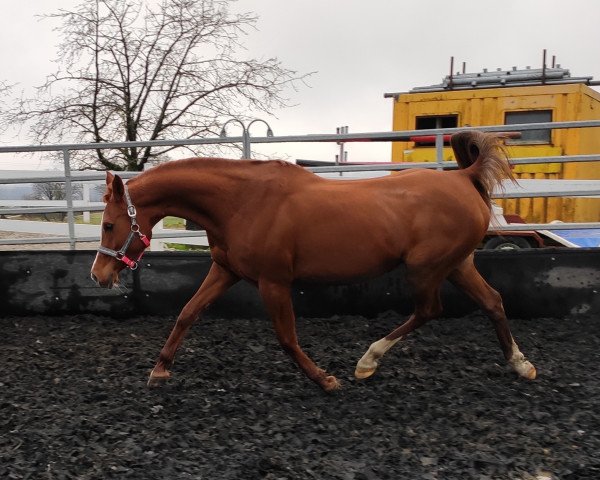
<point>70,206</point>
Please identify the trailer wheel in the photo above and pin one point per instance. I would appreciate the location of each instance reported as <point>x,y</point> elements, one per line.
<point>506,243</point>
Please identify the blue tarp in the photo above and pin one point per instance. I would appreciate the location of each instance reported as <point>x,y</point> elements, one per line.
<point>587,237</point>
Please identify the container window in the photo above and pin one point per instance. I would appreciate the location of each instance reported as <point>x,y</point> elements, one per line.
<point>435,121</point>
<point>532,116</point>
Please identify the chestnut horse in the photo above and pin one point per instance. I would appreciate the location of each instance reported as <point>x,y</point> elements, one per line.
<point>272,223</point>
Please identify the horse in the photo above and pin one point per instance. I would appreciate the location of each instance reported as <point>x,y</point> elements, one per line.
<point>273,223</point>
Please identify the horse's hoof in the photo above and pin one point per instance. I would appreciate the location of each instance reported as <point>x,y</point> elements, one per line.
<point>362,373</point>
<point>158,379</point>
<point>331,384</point>
<point>524,369</point>
<point>530,374</point>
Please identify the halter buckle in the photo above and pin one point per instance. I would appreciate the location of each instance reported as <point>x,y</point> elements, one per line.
<point>132,264</point>
<point>144,239</point>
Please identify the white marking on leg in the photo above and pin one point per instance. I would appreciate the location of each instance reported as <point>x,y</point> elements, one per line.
<point>520,364</point>
<point>369,360</point>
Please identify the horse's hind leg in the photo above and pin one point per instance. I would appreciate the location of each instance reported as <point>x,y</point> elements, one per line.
<point>467,278</point>
<point>278,301</point>
<point>214,285</point>
<point>427,306</point>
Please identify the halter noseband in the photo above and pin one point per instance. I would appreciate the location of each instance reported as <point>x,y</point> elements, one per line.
<point>135,230</point>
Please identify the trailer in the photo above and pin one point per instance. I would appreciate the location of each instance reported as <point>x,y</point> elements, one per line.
<point>507,239</point>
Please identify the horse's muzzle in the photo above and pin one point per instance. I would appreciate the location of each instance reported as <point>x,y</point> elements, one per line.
<point>108,283</point>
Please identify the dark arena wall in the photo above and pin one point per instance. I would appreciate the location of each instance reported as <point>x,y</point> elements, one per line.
<point>533,283</point>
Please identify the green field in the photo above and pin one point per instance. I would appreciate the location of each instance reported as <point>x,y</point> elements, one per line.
<point>96,218</point>
<point>168,222</point>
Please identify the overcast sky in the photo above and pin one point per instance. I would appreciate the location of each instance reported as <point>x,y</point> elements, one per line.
<point>358,50</point>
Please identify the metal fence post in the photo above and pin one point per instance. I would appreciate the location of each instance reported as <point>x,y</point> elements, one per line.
<point>246,137</point>
<point>439,150</point>
<point>69,198</point>
<point>246,152</point>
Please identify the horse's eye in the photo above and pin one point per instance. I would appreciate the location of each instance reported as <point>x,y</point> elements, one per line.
<point>108,227</point>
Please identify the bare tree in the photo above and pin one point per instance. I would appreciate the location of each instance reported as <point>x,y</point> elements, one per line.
<point>137,70</point>
<point>5,92</point>
<point>53,191</point>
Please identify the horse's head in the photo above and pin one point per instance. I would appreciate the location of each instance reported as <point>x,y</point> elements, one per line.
<point>122,242</point>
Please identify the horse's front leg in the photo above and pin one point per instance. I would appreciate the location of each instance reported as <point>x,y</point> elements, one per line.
<point>277,300</point>
<point>214,285</point>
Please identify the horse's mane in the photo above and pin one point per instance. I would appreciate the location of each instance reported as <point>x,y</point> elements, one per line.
<point>222,165</point>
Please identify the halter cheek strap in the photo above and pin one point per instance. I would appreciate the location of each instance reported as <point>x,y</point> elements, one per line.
<point>121,254</point>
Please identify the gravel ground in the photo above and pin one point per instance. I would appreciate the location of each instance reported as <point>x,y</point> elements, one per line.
<point>74,402</point>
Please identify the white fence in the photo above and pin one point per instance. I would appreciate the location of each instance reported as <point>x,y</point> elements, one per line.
<point>72,233</point>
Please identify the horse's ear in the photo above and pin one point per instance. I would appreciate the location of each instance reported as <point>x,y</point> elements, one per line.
<point>114,187</point>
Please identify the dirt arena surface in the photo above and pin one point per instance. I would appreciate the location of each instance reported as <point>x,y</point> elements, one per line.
<point>74,402</point>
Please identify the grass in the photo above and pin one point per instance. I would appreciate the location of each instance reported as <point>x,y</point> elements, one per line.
<point>96,219</point>
<point>186,248</point>
<point>168,222</point>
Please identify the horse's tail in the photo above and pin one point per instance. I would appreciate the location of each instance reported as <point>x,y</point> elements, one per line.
<point>484,157</point>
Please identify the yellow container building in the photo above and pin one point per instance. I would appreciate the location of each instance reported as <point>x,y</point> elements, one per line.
<point>512,97</point>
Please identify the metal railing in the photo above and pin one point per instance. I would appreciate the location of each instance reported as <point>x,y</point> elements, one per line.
<point>70,177</point>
